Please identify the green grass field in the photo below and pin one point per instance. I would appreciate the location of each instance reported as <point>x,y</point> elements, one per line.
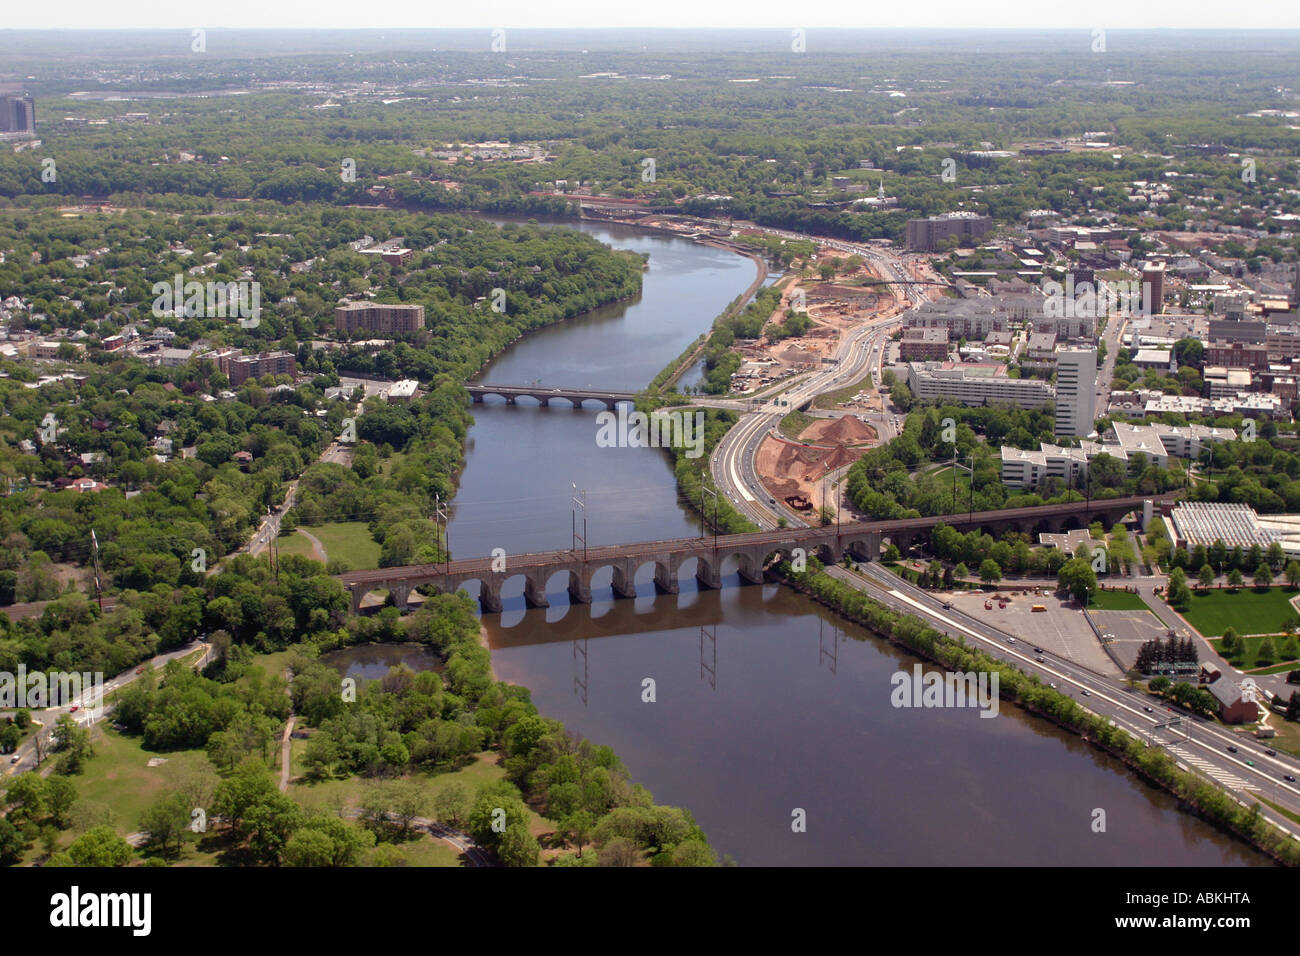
<point>347,541</point>
<point>1247,610</point>
<point>118,777</point>
<point>1116,601</point>
<point>1246,659</point>
<point>794,423</point>
<point>944,475</point>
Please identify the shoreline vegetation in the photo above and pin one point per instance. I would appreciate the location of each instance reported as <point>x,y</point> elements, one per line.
<point>1152,763</point>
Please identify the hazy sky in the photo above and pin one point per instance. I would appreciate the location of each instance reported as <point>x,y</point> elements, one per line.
<point>1087,14</point>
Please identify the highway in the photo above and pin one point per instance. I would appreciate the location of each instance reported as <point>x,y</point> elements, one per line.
<point>1195,743</point>
<point>860,351</point>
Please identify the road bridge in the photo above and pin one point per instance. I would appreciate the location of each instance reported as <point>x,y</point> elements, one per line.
<point>754,551</point>
<point>544,396</point>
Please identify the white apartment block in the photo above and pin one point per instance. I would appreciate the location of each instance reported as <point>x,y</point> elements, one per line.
<point>1076,391</point>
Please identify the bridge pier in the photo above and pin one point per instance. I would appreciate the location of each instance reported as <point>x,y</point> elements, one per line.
<point>535,593</point>
<point>358,594</point>
<point>624,583</point>
<point>708,575</point>
<point>579,592</point>
<point>868,548</point>
<point>400,592</point>
<point>666,580</point>
<point>544,400</point>
<point>489,596</point>
<point>751,568</point>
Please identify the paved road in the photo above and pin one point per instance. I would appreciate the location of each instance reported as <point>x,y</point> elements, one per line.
<point>1196,743</point>
<point>860,351</point>
<point>83,708</point>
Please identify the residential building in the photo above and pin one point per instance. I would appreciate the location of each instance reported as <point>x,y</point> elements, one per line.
<point>375,317</point>
<point>17,114</point>
<point>1076,385</point>
<point>923,344</point>
<point>245,367</point>
<point>924,235</point>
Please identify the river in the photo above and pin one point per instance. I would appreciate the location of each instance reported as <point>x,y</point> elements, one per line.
<point>766,707</point>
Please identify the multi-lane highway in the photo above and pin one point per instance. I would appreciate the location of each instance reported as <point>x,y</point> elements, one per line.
<point>859,351</point>
<point>1197,744</point>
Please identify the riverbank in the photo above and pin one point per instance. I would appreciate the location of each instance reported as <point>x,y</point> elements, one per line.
<point>1153,764</point>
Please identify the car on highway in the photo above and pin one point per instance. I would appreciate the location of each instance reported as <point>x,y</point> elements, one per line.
<point>1011,640</point>
<point>1250,763</point>
<point>1039,659</point>
<point>1038,650</point>
<point>1085,693</point>
<point>1051,685</point>
<point>1271,753</point>
<point>1288,778</point>
<point>1147,709</point>
<point>1231,749</point>
<point>947,605</point>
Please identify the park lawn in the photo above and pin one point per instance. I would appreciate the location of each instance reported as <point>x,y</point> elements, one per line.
<point>1116,601</point>
<point>325,794</point>
<point>426,851</point>
<point>1248,610</point>
<point>296,545</point>
<point>944,475</point>
<point>1245,660</point>
<point>118,777</point>
<point>346,541</point>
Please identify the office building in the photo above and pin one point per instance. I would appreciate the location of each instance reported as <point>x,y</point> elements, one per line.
<point>1153,277</point>
<point>975,384</point>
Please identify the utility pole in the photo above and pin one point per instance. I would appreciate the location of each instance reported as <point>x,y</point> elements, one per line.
<point>714,493</point>
<point>579,500</point>
<point>99,594</point>
<point>440,520</point>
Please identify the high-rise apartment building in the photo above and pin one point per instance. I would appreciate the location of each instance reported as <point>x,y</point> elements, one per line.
<point>17,114</point>
<point>924,235</point>
<point>1076,397</point>
<point>376,317</point>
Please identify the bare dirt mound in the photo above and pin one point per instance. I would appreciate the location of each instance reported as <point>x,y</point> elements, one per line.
<point>846,430</point>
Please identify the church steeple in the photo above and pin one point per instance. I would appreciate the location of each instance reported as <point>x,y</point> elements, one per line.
<point>880,194</point>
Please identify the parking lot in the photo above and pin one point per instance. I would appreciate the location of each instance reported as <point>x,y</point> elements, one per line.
<point>1060,630</point>
<point>1131,630</point>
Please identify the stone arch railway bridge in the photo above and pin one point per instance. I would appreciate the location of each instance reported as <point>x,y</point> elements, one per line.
<point>862,539</point>
<point>575,396</point>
